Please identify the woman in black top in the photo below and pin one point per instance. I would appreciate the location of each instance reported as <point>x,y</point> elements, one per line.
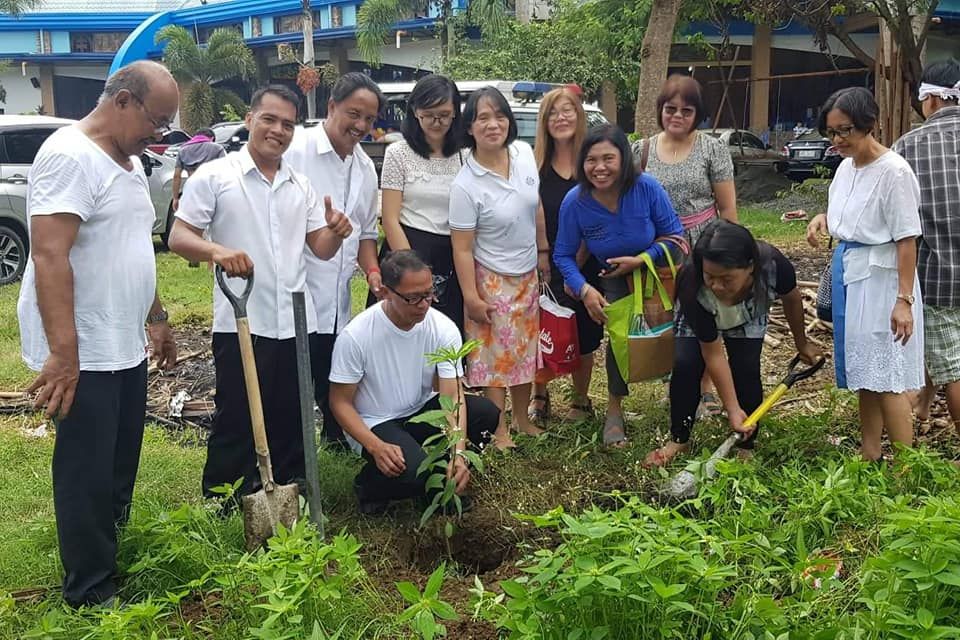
<point>561,127</point>
<point>726,291</point>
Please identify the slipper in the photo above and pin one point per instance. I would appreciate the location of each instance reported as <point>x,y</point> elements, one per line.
<point>541,413</point>
<point>709,406</point>
<point>660,457</point>
<point>793,216</point>
<point>614,435</point>
<point>580,412</point>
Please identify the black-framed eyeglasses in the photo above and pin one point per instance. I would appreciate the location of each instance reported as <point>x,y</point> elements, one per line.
<point>843,132</point>
<point>415,298</point>
<point>442,119</point>
<point>160,127</point>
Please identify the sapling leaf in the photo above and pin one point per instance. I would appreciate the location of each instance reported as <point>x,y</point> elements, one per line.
<point>435,581</point>
<point>409,591</point>
<point>443,610</point>
<point>447,404</point>
<point>435,417</point>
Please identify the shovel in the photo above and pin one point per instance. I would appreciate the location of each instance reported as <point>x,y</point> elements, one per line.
<point>273,503</point>
<point>684,484</point>
<point>307,419</point>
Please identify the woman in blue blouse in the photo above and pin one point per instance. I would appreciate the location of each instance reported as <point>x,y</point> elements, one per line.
<point>618,215</point>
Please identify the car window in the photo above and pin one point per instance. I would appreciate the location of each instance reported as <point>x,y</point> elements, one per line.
<point>175,137</point>
<point>750,140</point>
<point>594,118</point>
<point>224,133</point>
<point>20,146</point>
<point>526,126</point>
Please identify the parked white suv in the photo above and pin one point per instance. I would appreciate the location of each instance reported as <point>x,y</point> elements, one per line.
<point>20,139</point>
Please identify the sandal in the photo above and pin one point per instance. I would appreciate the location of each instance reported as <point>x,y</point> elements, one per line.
<point>580,412</point>
<point>664,456</point>
<point>541,413</point>
<point>709,406</point>
<point>614,435</point>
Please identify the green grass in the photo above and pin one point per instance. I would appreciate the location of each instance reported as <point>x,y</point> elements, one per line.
<point>766,225</point>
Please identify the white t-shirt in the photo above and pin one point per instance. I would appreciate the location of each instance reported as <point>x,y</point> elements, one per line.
<point>425,184</point>
<point>877,204</point>
<point>389,365</point>
<point>503,213</point>
<point>351,183</point>
<point>240,209</point>
<point>114,269</point>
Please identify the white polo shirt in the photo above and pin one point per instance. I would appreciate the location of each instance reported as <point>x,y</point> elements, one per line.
<point>351,184</point>
<point>240,209</point>
<point>389,365</point>
<point>503,213</point>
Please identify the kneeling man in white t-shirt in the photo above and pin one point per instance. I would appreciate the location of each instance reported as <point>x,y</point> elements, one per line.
<point>381,379</point>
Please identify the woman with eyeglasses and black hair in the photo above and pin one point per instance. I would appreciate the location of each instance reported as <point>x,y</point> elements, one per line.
<point>874,210</point>
<point>415,182</point>
<point>499,241</point>
<point>696,170</point>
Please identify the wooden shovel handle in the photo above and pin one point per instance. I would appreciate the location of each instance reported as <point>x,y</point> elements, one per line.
<point>256,405</point>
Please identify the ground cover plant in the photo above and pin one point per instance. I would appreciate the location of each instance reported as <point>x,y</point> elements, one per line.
<point>565,540</point>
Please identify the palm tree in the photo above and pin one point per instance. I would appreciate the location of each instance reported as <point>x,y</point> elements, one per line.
<point>16,7</point>
<point>223,56</point>
<point>377,18</point>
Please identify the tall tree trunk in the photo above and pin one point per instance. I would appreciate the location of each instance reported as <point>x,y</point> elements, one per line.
<point>654,62</point>
<point>307,24</point>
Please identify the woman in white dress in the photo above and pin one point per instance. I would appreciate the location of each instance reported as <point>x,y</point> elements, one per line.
<point>873,210</point>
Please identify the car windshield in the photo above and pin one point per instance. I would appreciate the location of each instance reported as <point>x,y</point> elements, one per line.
<point>224,132</point>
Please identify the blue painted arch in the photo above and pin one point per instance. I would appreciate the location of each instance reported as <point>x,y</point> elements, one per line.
<point>140,43</point>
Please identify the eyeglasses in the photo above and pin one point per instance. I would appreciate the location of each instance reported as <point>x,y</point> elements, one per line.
<point>566,114</point>
<point>160,127</point>
<point>415,298</point>
<point>685,112</point>
<point>442,119</point>
<point>843,132</point>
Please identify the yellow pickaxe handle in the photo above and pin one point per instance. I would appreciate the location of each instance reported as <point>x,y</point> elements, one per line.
<point>768,402</point>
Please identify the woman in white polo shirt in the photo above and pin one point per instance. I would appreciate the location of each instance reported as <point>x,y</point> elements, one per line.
<point>499,241</point>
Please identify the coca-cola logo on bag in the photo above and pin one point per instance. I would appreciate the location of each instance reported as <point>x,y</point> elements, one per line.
<point>546,342</point>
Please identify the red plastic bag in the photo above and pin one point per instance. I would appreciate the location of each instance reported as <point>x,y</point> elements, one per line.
<point>559,352</point>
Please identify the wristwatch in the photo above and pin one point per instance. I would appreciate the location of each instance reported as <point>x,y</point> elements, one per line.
<point>908,298</point>
<point>154,318</point>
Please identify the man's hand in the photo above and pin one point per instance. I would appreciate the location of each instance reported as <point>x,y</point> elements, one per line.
<point>810,354</point>
<point>817,228</point>
<point>737,417</point>
<point>57,384</point>
<point>336,220</point>
<point>479,311</point>
<point>235,263</point>
<point>163,345</point>
<point>389,459</point>
<point>458,471</point>
<point>375,283</point>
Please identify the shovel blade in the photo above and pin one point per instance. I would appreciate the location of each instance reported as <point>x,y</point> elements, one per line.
<point>264,510</point>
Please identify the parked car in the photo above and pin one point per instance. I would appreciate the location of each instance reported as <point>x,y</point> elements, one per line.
<point>744,145</point>
<point>20,139</point>
<point>801,157</point>
<point>172,137</point>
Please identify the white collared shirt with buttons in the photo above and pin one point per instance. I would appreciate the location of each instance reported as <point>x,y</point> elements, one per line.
<point>352,186</point>
<point>503,213</point>
<point>239,208</point>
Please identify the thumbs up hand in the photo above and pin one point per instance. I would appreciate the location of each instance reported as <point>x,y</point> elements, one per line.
<point>336,220</point>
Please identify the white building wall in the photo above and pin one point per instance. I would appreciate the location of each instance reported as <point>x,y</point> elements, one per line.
<point>21,96</point>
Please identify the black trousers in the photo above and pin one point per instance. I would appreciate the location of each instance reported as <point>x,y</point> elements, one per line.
<point>688,368</point>
<point>372,484</point>
<point>321,357</point>
<point>95,460</point>
<point>437,251</point>
<point>230,449</point>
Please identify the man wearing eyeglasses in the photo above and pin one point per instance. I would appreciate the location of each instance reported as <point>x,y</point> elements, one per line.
<point>381,379</point>
<point>87,294</point>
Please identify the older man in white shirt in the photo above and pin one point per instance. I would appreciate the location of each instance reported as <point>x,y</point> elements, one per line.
<point>259,214</point>
<point>338,167</point>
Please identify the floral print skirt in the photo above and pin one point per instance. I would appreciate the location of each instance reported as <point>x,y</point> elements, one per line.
<point>507,355</point>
